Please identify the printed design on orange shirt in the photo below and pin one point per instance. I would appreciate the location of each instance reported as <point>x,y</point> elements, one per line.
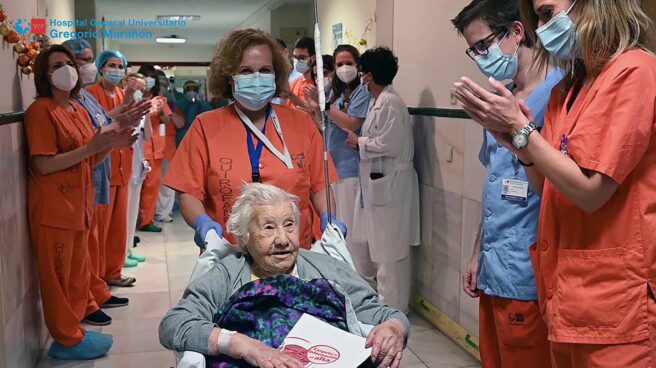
<point>516,319</point>
<point>225,188</point>
<point>299,160</point>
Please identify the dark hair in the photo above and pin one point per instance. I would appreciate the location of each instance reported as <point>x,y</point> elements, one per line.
<point>328,62</point>
<point>305,43</point>
<point>148,70</point>
<point>381,63</point>
<point>338,86</point>
<point>282,43</point>
<point>41,66</point>
<point>498,14</point>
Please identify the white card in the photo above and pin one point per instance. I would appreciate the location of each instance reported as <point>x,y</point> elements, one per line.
<point>318,344</point>
<point>514,190</point>
<point>162,130</point>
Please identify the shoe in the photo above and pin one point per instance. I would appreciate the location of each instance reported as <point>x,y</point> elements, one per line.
<point>93,345</point>
<point>130,263</point>
<point>124,281</point>
<point>151,228</point>
<point>135,257</point>
<point>97,318</point>
<point>165,218</point>
<point>115,301</point>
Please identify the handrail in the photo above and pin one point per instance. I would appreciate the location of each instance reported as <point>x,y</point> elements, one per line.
<point>17,116</point>
<point>11,117</point>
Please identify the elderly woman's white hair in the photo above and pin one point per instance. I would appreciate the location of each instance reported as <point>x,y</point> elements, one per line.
<point>256,194</point>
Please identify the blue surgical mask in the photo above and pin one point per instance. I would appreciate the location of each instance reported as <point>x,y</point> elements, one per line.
<point>558,36</point>
<point>254,91</point>
<point>301,66</point>
<point>498,65</point>
<point>114,76</point>
<point>150,83</point>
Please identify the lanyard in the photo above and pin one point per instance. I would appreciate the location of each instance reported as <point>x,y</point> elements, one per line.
<point>285,157</point>
<point>254,153</point>
<point>516,164</point>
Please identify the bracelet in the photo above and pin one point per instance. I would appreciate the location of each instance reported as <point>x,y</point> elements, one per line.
<point>524,163</point>
<point>224,340</point>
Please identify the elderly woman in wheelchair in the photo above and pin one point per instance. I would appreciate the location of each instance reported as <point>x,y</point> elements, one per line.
<point>238,313</point>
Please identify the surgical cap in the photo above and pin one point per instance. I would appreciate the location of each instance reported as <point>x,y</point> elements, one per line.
<point>77,45</point>
<point>191,84</point>
<point>108,54</point>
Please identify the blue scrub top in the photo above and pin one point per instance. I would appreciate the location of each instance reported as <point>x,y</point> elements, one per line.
<point>510,228</point>
<point>347,159</point>
<point>190,110</point>
<point>102,172</point>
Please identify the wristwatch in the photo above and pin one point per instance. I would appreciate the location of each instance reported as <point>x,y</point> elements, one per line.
<point>520,137</point>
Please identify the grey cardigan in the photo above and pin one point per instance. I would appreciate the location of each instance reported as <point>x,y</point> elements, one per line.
<point>187,326</point>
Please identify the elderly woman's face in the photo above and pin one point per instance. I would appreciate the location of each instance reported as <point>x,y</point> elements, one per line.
<point>273,241</point>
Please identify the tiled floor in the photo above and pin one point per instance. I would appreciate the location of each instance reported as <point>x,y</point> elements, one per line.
<point>160,283</point>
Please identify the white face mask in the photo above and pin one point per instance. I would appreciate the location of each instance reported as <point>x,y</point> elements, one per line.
<point>347,73</point>
<point>88,73</point>
<point>64,78</point>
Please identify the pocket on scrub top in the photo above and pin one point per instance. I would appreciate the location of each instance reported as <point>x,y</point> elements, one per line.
<point>63,207</point>
<point>380,189</point>
<point>591,287</point>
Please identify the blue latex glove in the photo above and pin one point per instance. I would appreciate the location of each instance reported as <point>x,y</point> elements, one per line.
<point>203,224</point>
<point>334,220</point>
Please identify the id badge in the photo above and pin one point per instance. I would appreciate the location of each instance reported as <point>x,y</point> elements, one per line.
<point>101,119</point>
<point>162,130</point>
<point>514,190</point>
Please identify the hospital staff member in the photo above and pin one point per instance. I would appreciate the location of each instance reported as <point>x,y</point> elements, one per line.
<point>250,140</point>
<point>347,108</point>
<point>63,149</point>
<point>304,56</point>
<point>387,203</point>
<point>500,271</point>
<point>153,150</point>
<point>595,166</point>
<point>85,62</point>
<point>111,66</point>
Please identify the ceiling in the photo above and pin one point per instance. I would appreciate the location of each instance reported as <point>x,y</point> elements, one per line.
<point>217,17</point>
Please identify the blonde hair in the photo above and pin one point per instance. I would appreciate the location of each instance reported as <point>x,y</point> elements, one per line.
<point>605,30</point>
<point>228,56</point>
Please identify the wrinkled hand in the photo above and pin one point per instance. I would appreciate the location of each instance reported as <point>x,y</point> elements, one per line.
<point>498,112</point>
<point>203,224</point>
<point>131,114</point>
<point>387,341</point>
<point>257,354</point>
<point>470,279</point>
<point>351,139</point>
<point>334,221</point>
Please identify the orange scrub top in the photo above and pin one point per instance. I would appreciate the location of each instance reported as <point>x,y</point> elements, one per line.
<point>592,270</point>
<point>64,199</point>
<point>121,159</point>
<point>298,88</point>
<point>169,147</point>
<point>212,163</point>
<point>155,147</point>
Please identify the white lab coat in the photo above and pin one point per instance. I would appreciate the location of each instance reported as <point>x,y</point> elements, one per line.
<point>387,209</point>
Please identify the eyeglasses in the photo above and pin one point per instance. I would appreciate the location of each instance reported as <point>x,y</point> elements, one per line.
<point>300,57</point>
<point>88,60</point>
<point>481,47</point>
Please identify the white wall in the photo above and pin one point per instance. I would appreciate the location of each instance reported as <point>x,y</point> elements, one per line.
<point>63,10</point>
<point>353,15</point>
<point>260,20</point>
<point>431,58</point>
<point>299,16</point>
<point>195,53</point>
